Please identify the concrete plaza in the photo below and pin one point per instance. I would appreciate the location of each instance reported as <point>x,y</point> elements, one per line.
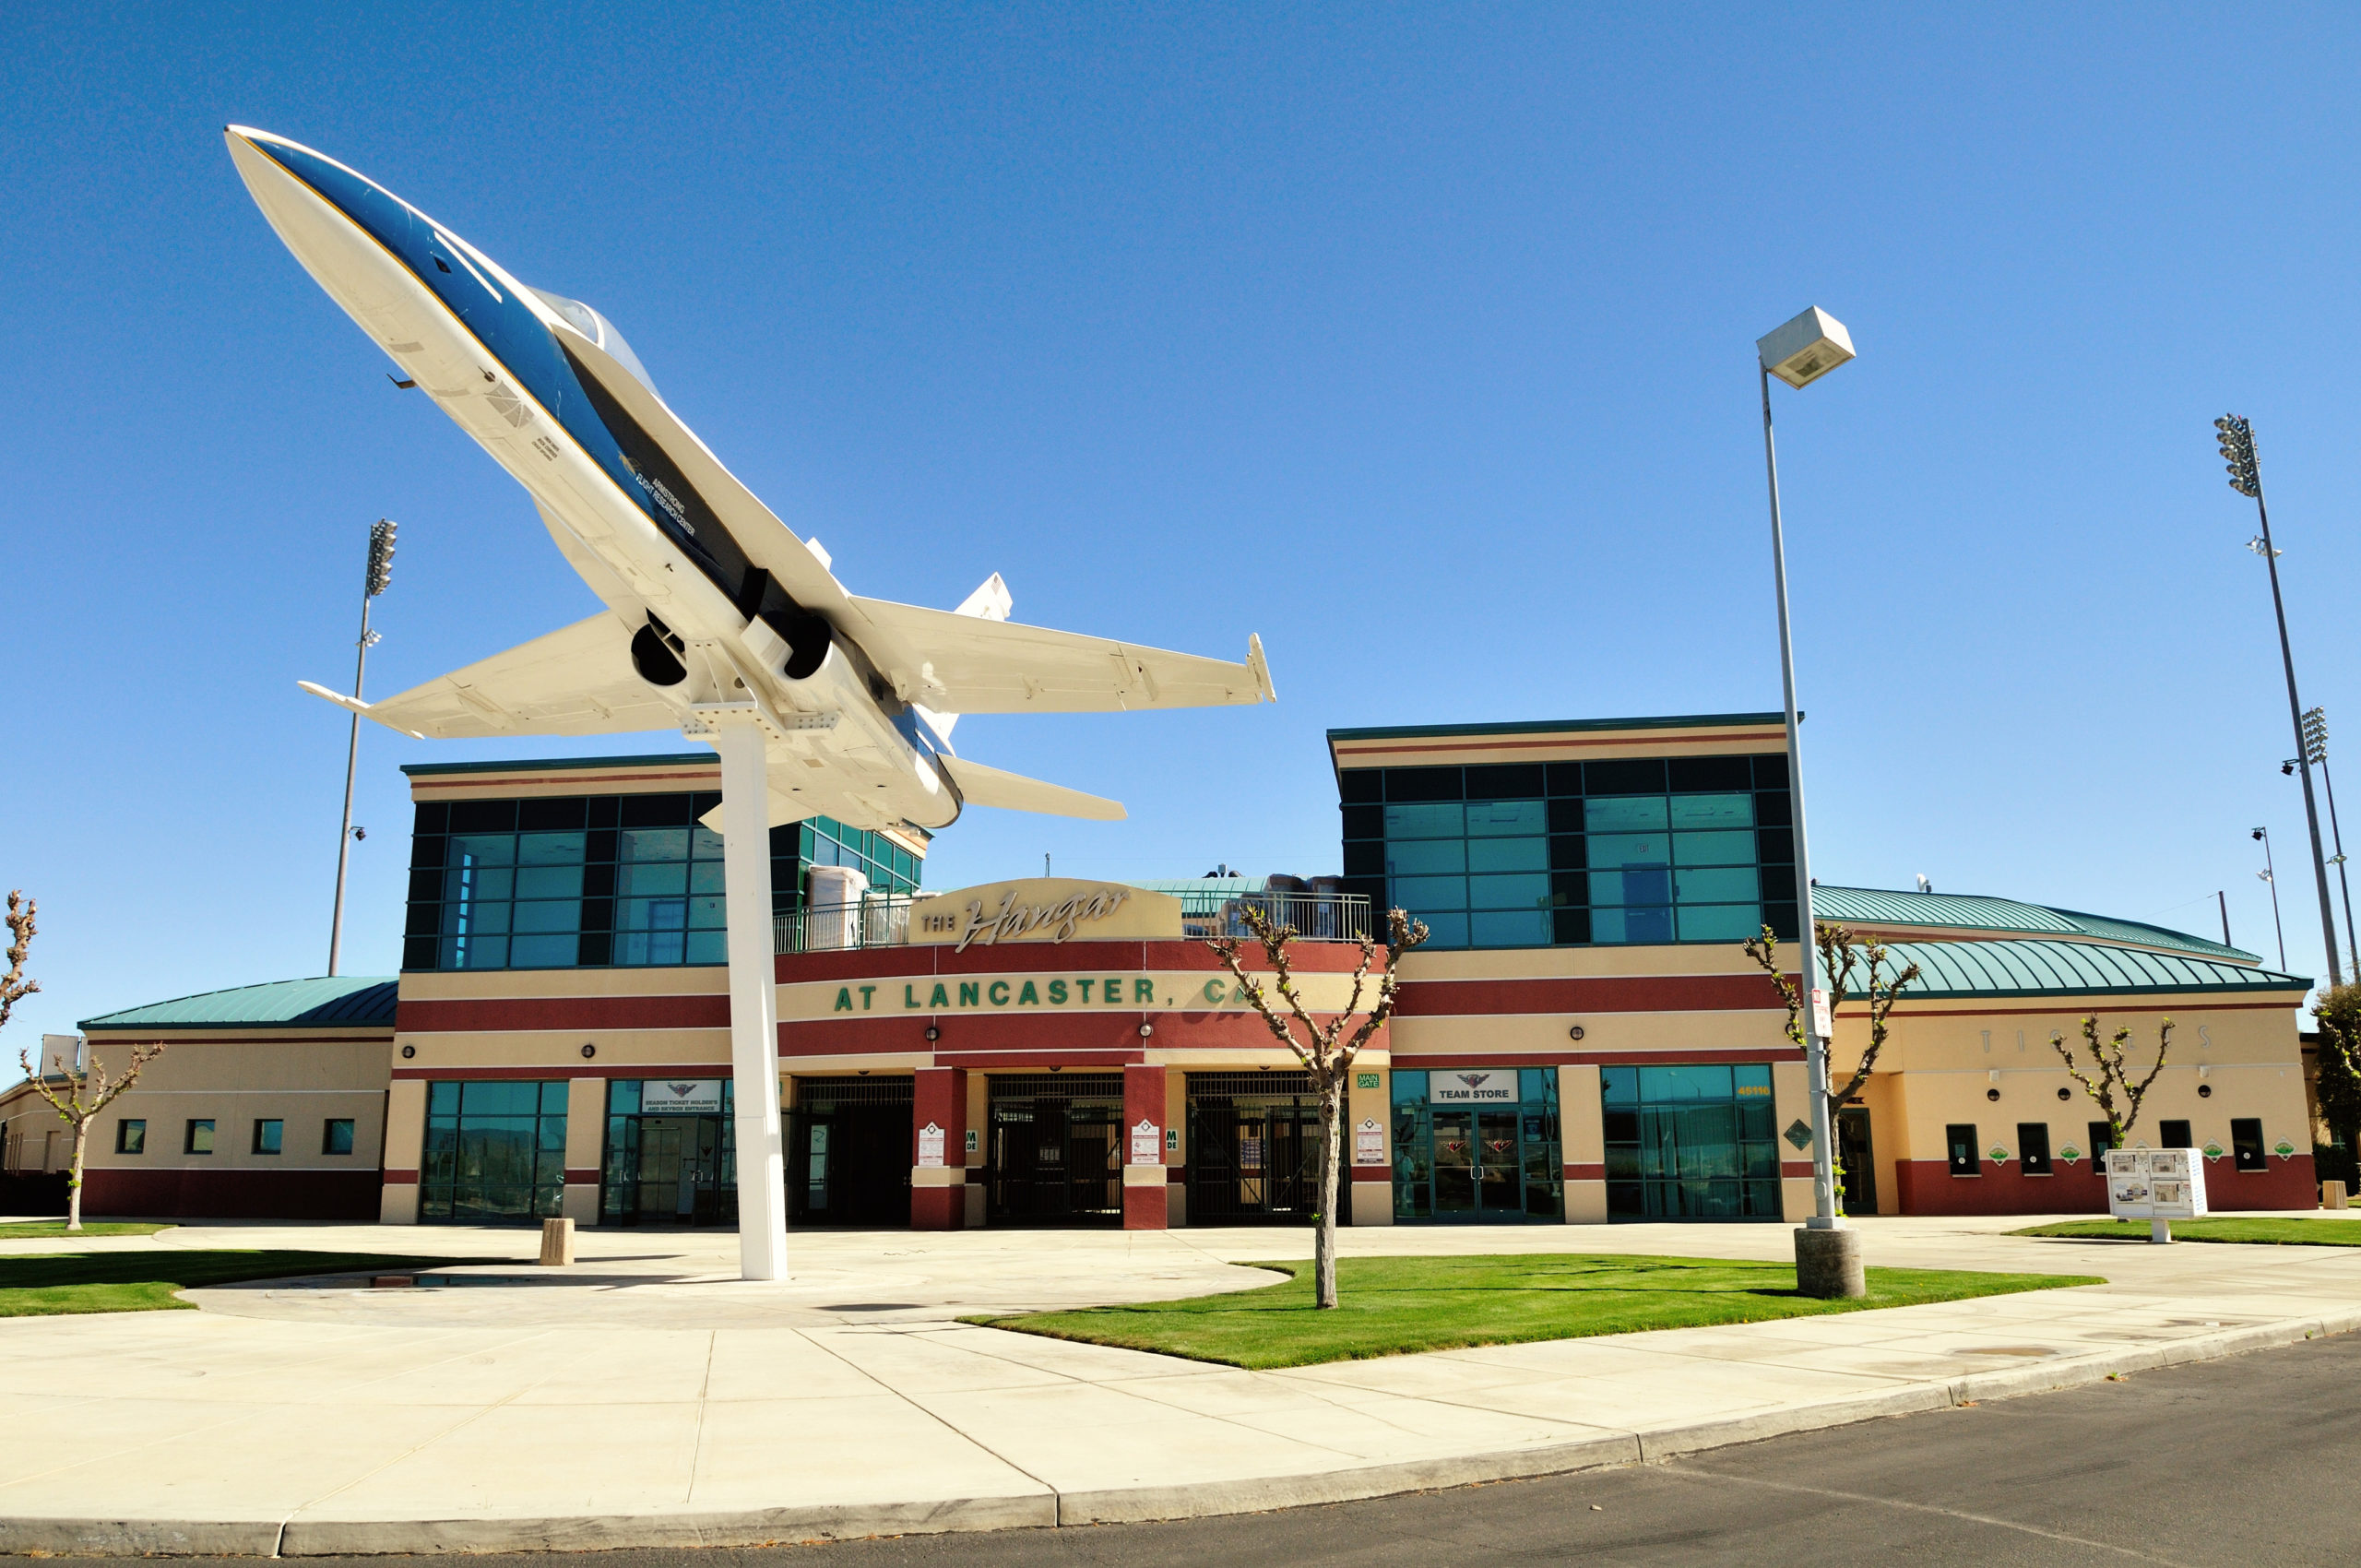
<point>646,1396</point>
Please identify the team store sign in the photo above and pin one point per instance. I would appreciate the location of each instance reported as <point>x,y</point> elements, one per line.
<point>1048,992</point>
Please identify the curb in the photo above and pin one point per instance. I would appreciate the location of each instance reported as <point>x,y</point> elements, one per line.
<point>1048,1509</point>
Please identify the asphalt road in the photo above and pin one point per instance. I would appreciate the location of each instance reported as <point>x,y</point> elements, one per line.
<point>2254,1461</point>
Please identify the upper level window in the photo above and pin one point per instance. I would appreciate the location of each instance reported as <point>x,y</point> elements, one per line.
<point>1622,852</point>
<point>601,880</point>
<point>131,1135</point>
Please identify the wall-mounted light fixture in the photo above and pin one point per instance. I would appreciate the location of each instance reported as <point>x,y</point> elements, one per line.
<point>932,1033</point>
<point>1147,1028</point>
<point>588,1050</point>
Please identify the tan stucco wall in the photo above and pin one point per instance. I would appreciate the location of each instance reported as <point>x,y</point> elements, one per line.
<point>238,1079</point>
<point>1939,1063</point>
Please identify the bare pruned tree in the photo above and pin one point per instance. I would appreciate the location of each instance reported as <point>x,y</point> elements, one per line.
<point>1841,957</point>
<point>86,1093</point>
<point>2110,1074</point>
<point>1326,1050</point>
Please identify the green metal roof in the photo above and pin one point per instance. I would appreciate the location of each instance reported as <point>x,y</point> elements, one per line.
<point>524,763</point>
<point>338,1001</point>
<point>1968,911</point>
<point>2040,967</point>
<point>1543,726</point>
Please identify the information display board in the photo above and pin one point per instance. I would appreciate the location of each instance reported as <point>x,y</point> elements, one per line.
<point>2155,1184</point>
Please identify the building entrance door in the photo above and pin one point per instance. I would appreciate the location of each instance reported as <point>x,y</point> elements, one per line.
<point>1858,1160</point>
<point>1479,1167</point>
<point>849,1151</point>
<point>1056,1149</point>
<point>680,1169</point>
<point>1253,1148</point>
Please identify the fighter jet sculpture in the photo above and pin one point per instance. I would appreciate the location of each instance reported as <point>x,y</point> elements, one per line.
<point>719,622</point>
<point>712,603</point>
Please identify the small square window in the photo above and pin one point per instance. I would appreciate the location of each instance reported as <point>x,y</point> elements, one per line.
<point>335,1137</point>
<point>200,1137</point>
<point>2246,1142</point>
<point>2175,1134</point>
<point>269,1133</point>
<point>131,1135</point>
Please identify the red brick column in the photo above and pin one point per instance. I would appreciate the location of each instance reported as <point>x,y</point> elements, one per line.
<point>939,1189</point>
<point>1144,1101</point>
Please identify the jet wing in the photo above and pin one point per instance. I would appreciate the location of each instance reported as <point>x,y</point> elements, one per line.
<point>578,681</point>
<point>965,664</point>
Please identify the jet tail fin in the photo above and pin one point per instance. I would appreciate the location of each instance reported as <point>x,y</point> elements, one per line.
<point>990,601</point>
<point>982,786</point>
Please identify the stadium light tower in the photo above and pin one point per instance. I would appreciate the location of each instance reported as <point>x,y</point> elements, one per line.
<point>381,572</point>
<point>2245,477</point>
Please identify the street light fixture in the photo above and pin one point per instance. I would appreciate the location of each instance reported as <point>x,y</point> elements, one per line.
<point>2269,873</point>
<point>1828,1256</point>
<point>2316,750</point>
<point>2236,437</point>
<point>380,574</point>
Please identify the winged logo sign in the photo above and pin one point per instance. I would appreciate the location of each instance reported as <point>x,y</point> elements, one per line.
<point>676,1097</point>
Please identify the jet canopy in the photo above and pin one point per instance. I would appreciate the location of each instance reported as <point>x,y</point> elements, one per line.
<point>599,330</point>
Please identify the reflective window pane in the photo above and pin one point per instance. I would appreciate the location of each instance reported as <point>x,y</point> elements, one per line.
<point>1712,811</point>
<point>1508,854</point>
<point>1624,813</point>
<point>1498,819</point>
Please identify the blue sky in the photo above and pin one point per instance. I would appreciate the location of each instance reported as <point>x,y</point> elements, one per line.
<point>1418,339</point>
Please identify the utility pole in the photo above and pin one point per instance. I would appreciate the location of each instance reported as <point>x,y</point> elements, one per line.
<point>2246,477</point>
<point>381,572</point>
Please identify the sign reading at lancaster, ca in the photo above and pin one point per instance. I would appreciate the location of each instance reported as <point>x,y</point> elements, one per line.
<point>1043,909</point>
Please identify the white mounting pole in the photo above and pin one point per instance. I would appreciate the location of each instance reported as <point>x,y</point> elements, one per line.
<point>753,1002</point>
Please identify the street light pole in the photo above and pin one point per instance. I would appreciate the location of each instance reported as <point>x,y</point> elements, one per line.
<point>381,572</point>
<point>2269,873</point>
<point>2246,477</point>
<point>1828,1257</point>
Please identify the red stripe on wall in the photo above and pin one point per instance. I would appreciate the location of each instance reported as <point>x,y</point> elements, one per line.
<point>1801,1168</point>
<point>582,1178</point>
<point>347,1196</point>
<point>1585,1172</point>
<point>1407,1061</point>
<point>2001,1187</point>
<point>1077,957</point>
<point>1642,994</point>
<point>512,1014</point>
<point>401,1177</point>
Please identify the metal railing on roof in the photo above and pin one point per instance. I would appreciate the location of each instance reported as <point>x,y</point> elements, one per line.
<point>879,919</point>
<point>883,919</point>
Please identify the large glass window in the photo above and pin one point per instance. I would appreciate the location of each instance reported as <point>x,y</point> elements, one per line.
<point>1623,851</point>
<point>495,1150</point>
<point>601,880</point>
<point>1690,1142</point>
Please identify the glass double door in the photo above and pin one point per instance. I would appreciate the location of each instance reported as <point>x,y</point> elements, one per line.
<point>670,1171</point>
<point>1480,1166</point>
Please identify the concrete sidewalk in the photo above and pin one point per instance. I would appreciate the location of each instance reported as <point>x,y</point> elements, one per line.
<point>646,1397</point>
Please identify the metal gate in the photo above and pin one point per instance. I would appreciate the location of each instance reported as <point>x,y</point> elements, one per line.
<point>1056,1150</point>
<point>1254,1150</point>
<point>849,1151</point>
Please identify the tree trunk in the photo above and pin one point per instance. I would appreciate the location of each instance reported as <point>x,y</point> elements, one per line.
<point>1324,1240</point>
<point>73,1181</point>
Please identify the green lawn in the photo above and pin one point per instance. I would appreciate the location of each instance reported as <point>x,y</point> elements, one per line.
<point>2292,1231</point>
<point>49,1284</point>
<point>44,1229</point>
<point>1390,1306</point>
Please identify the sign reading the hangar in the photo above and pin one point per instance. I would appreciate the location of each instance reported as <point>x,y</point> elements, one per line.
<point>681,1097</point>
<point>1461,1086</point>
<point>1042,910</point>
